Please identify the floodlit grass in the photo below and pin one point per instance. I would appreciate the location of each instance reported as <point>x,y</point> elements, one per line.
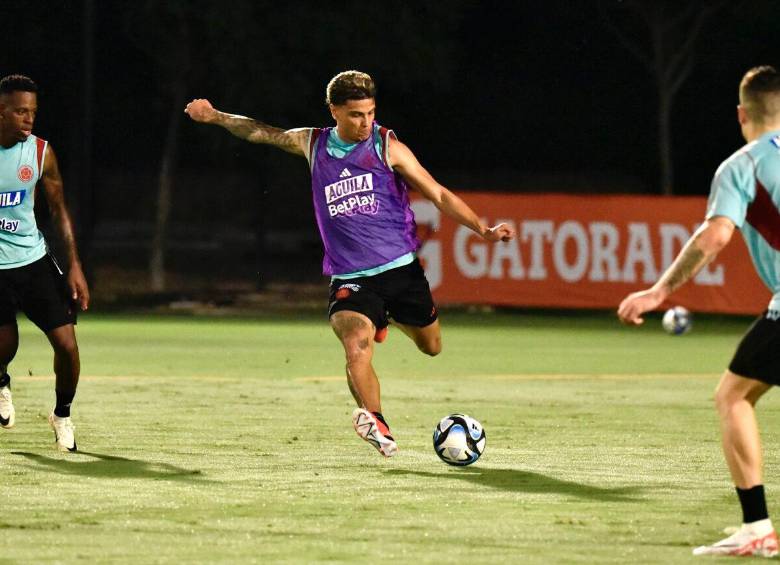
<point>229,440</point>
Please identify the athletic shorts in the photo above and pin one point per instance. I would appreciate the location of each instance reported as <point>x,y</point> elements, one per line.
<point>758,354</point>
<point>402,294</point>
<point>40,291</point>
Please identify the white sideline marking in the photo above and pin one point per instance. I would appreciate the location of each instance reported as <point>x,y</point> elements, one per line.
<point>554,376</point>
<point>340,378</point>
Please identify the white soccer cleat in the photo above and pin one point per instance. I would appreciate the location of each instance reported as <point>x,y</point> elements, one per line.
<point>746,541</point>
<point>7,412</point>
<point>371,429</point>
<point>63,432</point>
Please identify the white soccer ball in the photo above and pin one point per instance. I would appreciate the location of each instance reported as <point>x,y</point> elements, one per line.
<point>459,439</point>
<point>677,320</point>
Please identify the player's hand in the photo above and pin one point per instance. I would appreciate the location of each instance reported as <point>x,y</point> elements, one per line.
<point>501,232</point>
<point>637,303</point>
<point>201,110</point>
<point>79,291</point>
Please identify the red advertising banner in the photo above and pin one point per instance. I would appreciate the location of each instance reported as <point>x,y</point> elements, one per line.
<point>576,251</point>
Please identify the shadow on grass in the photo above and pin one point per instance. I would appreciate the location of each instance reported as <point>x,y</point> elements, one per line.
<point>112,466</point>
<point>514,480</point>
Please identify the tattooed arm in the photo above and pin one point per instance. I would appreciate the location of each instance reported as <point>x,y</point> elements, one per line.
<point>293,141</point>
<point>701,248</point>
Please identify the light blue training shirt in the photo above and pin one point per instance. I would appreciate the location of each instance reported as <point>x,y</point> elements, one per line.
<point>21,166</point>
<point>746,190</point>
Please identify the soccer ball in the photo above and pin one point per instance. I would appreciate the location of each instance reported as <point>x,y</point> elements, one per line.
<point>458,439</point>
<point>677,320</point>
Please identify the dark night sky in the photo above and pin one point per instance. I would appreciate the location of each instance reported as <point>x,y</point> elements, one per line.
<point>489,92</point>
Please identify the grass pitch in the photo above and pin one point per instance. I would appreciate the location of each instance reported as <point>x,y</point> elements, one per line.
<point>229,440</point>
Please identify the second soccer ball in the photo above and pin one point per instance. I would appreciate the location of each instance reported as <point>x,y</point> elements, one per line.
<point>677,320</point>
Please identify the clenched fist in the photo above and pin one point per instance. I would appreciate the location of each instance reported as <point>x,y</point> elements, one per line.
<point>201,110</point>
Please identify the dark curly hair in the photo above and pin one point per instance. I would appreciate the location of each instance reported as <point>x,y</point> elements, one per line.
<point>17,83</point>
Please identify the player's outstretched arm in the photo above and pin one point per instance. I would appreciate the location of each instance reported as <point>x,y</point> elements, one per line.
<point>52,186</point>
<point>403,160</point>
<point>293,140</point>
<point>703,246</point>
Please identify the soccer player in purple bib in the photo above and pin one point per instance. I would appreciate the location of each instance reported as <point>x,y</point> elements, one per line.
<point>745,194</point>
<point>361,176</point>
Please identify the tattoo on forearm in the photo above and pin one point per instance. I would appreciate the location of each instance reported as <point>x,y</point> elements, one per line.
<point>685,266</point>
<point>258,132</point>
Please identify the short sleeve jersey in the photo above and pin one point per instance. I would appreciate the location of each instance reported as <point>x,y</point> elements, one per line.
<point>746,190</point>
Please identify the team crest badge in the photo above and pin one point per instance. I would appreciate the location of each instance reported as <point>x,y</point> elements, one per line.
<point>25,173</point>
<point>345,290</point>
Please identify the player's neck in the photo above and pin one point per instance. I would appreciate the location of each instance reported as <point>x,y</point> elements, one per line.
<point>344,139</point>
<point>758,130</point>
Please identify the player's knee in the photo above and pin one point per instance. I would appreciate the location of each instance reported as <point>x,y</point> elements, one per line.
<point>721,401</point>
<point>431,347</point>
<point>66,346</point>
<point>357,348</point>
<point>357,357</point>
<point>725,400</point>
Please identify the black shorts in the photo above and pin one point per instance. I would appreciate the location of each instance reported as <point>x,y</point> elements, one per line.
<point>40,291</point>
<point>758,354</point>
<point>402,294</point>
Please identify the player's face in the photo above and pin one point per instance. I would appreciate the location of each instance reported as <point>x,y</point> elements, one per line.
<point>17,115</point>
<point>354,119</point>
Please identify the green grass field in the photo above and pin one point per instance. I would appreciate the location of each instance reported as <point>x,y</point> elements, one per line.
<point>209,439</point>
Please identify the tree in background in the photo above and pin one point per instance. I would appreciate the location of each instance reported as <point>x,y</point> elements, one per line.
<point>186,39</point>
<point>662,35</point>
<point>249,56</point>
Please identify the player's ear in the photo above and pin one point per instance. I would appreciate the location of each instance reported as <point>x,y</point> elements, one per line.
<point>742,116</point>
<point>332,109</point>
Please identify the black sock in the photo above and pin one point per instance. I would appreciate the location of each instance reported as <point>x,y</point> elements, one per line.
<point>5,380</point>
<point>753,504</point>
<point>64,400</point>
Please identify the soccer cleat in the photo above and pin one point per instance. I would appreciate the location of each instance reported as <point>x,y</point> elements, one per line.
<point>7,412</point>
<point>744,542</point>
<point>380,335</point>
<point>63,432</point>
<point>374,431</point>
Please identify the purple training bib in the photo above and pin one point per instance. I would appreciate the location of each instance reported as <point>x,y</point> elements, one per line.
<point>362,206</point>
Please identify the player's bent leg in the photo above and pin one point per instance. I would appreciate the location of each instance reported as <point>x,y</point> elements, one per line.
<point>355,332</point>
<point>735,399</point>
<point>67,367</point>
<point>9,343</point>
<point>427,338</point>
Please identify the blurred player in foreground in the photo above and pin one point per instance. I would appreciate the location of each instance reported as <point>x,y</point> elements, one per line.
<point>745,194</point>
<point>360,178</point>
<point>30,279</point>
